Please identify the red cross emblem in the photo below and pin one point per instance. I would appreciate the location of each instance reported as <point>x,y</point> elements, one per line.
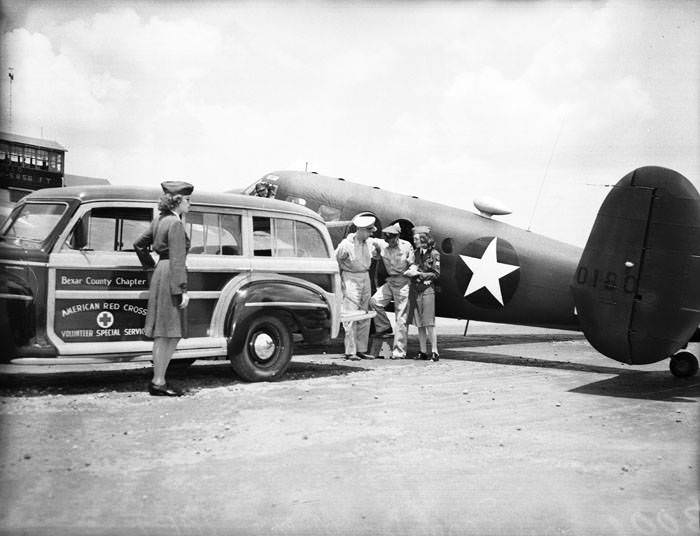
<point>105,319</point>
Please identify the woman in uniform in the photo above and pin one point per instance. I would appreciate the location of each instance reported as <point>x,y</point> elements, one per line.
<point>425,274</point>
<point>166,321</point>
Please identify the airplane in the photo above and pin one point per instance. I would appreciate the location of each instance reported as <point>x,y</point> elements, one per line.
<point>633,290</point>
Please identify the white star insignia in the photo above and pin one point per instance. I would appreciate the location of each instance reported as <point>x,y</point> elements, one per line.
<point>487,272</point>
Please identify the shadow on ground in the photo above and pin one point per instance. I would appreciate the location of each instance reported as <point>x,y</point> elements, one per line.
<point>628,383</point>
<point>217,374</point>
<point>656,385</point>
<point>462,341</point>
<point>199,376</point>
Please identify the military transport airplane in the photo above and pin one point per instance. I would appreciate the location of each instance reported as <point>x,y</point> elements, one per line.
<point>634,289</point>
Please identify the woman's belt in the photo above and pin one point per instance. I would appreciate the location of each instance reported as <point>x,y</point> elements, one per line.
<point>163,256</point>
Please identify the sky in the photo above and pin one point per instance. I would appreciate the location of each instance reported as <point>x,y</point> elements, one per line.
<point>541,105</point>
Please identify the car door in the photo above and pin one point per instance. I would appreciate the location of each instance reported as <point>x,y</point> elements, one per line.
<point>97,289</point>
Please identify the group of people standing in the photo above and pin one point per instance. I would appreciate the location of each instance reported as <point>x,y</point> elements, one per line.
<point>412,276</point>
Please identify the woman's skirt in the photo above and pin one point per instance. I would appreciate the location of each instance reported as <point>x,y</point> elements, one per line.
<point>164,318</point>
<point>421,307</point>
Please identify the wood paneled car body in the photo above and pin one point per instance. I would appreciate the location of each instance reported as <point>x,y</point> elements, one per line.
<point>261,276</point>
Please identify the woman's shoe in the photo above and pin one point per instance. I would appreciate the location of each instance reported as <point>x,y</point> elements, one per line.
<point>435,356</point>
<point>163,390</point>
<point>422,355</point>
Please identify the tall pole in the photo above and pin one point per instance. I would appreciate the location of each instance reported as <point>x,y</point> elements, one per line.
<point>11,76</point>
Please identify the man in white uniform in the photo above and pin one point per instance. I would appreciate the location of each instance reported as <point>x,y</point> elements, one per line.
<point>354,255</point>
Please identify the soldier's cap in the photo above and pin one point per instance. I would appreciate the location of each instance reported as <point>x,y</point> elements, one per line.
<point>393,229</point>
<point>363,221</point>
<point>421,229</point>
<point>177,187</point>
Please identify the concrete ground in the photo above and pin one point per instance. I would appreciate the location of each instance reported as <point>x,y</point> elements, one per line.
<point>514,431</point>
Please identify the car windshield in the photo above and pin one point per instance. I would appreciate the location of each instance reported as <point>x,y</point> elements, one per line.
<point>31,224</point>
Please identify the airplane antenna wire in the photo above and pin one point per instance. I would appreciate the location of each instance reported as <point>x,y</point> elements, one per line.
<point>544,177</point>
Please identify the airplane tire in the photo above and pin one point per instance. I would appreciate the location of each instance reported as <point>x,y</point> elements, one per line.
<point>684,365</point>
<point>266,351</point>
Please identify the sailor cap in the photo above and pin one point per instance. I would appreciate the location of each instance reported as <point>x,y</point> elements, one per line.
<point>421,229</point>
<point>362,221</point>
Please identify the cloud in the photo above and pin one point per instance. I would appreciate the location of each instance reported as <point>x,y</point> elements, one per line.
<point>486,98</point>
<point>79,99</point>
<point>131,46</point>
<point>112,80</point>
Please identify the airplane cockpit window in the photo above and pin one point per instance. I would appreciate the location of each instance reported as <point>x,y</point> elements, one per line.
<point>329,213</point>
<point>262,188</point>
<point>265,189</point>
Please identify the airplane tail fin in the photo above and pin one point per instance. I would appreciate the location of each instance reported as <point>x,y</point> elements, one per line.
<point>637,285</point>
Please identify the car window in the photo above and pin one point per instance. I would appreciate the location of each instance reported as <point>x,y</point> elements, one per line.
<point>282,237</point>
<point>32,223</point>
<point>262,237</point>
<point>214,234</point>
<point>109,229</point>
<point>310,241</point>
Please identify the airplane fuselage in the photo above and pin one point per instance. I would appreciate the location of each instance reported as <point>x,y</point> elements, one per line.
<point>491,271</point>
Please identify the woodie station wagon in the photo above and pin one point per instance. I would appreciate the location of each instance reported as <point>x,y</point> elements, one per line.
<point>261,276</point>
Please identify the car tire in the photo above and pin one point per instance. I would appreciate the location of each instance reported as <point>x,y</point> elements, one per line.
<point>266,350</point>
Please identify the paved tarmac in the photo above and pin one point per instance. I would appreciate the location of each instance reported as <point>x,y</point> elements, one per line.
<point>514,431</point>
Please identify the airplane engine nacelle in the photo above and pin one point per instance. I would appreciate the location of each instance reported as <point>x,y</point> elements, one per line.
<point>637,285</point>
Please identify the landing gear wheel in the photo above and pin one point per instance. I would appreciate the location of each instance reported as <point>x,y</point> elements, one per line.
<point>266,350</point>
<point>684,365</point>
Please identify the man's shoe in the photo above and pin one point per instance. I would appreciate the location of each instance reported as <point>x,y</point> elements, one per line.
<point>435,356</point>
<point>352,357</point>
<point>384,333</point>
<point>422,355</point>
<point>162,390</point>
<point>363,355</point>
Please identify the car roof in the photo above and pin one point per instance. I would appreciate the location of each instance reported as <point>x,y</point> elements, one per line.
<point>138,193</point>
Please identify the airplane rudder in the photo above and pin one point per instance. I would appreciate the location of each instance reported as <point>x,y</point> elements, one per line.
<point>636,288</point>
